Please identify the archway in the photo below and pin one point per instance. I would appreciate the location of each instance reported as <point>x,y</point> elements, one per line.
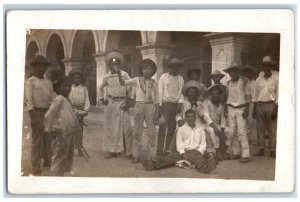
<point>55,53</point>
<point>32,51</point>
<point>128,42</point>
<point>82,51</point>
<point>196,51</point>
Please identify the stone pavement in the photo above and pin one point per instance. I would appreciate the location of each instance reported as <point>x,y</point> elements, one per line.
<point>260,168</point>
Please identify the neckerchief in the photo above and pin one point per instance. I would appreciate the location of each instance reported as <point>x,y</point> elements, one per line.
<point>147,91</point>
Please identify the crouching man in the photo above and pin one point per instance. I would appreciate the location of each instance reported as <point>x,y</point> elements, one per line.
<point>190,145</point>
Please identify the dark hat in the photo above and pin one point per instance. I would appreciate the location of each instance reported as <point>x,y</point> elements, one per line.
<point>39,59</point>
<point>76,71</point>
<point>232,66</point>
<point>175,62</point>
<point>191,84</point>
<point>215,74</point>
<point>150,63</point>
<point>114,56</point>
<point>221,87</point>
<point>268,60</point>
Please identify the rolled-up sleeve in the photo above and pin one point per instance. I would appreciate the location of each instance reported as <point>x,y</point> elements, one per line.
<point>101,88</point>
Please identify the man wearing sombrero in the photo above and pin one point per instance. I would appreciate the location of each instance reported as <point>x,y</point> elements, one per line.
<point>237,105</point>
<point>265,98</point>
<point>117,129</point>
<point>39,95</point>
<point>146,108</point>
<point>170,101</point>
<point>215,118</point>
<point>191,91</point>
<point>216,77</point>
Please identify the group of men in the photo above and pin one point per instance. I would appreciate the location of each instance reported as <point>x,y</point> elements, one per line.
<point>197,126</point>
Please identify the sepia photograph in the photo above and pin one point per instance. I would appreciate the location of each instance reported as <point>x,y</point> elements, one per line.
<point>136,103</point>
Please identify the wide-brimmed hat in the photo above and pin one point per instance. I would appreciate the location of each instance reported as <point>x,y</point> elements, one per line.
<point>149,62</point>
<point>221,87</point>
<point>175,62</point>
<point>268,60</point>
<point>216,74</point>
<point>39,59</point>
<point>114,55</point>
<point>232,66</point>
<point>76,71</point>
<point>191,84</point>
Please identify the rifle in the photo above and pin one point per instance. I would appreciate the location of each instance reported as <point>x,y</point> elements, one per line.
<point>81,147</point>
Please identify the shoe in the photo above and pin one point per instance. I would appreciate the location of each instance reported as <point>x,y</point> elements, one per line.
<point>244,160</point>
<point>211,165</point>
<point>273,154</point>
<point>261,152</point>
<point>148,165</point>
<point>110,155</point>
<point>135,160</point>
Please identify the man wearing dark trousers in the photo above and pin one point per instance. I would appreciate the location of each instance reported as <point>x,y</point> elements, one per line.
<point>191,146</point>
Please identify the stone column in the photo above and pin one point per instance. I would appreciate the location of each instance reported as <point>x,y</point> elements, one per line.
<point>101,70</point>
<point>158,53</point>
<point>226,49</point>
<point>72,64</point>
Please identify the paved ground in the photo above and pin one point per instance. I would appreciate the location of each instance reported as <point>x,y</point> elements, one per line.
<point>260,168</point>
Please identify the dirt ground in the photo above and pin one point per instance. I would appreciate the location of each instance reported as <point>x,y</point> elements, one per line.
<point>260,168</point>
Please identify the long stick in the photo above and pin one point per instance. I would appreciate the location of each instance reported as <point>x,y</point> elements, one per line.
<point>85,154</point>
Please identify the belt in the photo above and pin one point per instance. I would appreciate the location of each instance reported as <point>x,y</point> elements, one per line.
<point>267,102</point>
<point>40,109</point>
<point>239,106</point>
<point>142,102</point>
<point>117,98</point>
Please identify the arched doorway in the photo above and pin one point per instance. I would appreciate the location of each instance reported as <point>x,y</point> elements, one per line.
<point>128,42</point>
<point>55,53</point>
<point>195,49</point>
<point>82,51</point>
<point>32,51</point>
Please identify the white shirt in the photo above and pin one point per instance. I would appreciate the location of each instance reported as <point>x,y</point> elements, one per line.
<point>79,97</point>
<point>266,89</point>
<point>190,138</point>
<point>141,96</point>
<point>170,88</point>
<point>214,114</point>
<point>238,92</point>
<point>112,84</point>
<point>38,92</point>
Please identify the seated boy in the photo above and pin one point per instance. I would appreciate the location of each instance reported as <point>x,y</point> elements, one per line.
<point>191,146</point>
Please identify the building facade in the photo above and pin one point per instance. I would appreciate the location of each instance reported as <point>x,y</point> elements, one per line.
<point>86,49</point>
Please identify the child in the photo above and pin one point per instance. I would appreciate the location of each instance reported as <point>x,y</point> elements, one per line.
<point>62,123</point>
<point>146,107</point>
<point>117,129</point>
<point>237,108</point>
<point>191,146</point>
<point>39,95</point>
<point>170,101</point>
<point>79,98</point>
